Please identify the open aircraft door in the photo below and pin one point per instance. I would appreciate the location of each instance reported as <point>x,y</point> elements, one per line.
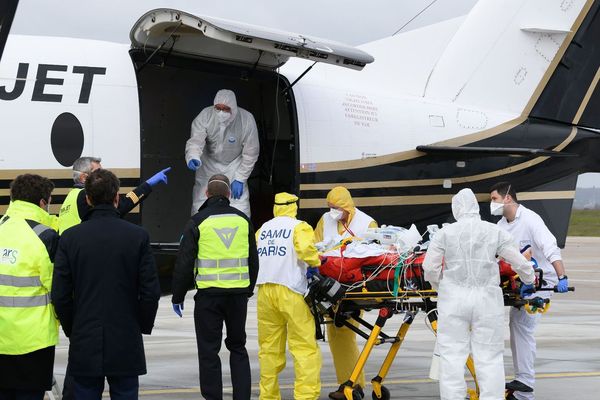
<point>236,42</point>
<point>181,61</point>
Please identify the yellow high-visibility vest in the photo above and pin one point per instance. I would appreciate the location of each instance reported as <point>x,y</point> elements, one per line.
<point>69,213</point>
<point>27,319</point>
<point>222,260</point>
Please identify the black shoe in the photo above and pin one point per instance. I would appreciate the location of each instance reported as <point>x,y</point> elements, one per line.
<point>511,397</point>
<point>517,386</point>
<point>339,394</point>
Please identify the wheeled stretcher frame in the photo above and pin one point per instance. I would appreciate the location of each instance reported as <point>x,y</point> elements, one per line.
<point>409,303</point>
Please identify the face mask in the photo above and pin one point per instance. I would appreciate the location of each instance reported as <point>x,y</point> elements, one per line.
<point>223,116</point>
<point>335,214</point>
<point>496,208</point>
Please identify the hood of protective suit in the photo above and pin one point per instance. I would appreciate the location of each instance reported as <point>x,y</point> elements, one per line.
<point>286,205</point>
<point>227,97</point>
<point>464,204</point>
<point>340,197</point>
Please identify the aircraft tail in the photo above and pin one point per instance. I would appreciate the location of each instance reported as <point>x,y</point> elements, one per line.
<point>572,94</point>
<point>537,58</point>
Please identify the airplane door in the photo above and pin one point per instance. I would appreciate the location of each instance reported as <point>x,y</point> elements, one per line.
<point>181,61</point>
<point>236,42</point>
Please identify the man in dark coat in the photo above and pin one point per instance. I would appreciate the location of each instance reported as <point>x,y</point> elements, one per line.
<point>218,253</point>
<point>105,292</point>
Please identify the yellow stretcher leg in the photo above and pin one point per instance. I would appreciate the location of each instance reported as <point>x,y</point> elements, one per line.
<point>384,315</point>
<point>379,391</point>
<point>473,393</point>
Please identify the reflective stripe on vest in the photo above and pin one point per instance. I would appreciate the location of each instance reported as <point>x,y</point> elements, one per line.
<point>222,260</point>
<point>223,263</point>
<point>20,281</point>
<point>69,213</point>
<point>25,301</point>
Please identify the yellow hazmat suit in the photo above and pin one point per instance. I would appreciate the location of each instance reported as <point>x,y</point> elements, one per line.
<point>286,248</point>
<point>342,341</point>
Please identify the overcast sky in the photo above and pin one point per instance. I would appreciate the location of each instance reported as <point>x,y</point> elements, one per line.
<point>347,21</point>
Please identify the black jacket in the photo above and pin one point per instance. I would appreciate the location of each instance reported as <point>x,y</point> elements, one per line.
<point>127,202</point>
<point>105,292</point>
<point>183,275</point>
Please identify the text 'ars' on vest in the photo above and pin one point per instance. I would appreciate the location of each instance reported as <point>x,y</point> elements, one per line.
<point>222,260</point>
<point>27,318</point>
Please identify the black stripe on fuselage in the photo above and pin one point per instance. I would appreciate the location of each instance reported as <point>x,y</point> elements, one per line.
<point>531,133</point>
<point>568,85</point>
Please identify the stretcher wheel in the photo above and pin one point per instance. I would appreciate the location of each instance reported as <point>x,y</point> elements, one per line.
<point>385,394</point>
<point>356,395</point>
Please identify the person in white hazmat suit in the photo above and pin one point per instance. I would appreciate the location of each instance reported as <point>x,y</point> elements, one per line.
<point>470,303</point>
<point>224,140</point>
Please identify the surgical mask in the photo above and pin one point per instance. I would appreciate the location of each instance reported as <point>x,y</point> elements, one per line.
<point>335,214</point>
<point>496,208</point>
<point>223,116</point>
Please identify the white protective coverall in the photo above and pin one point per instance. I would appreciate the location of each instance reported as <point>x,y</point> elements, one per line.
<point>230,148</point>
<point>470,303</point>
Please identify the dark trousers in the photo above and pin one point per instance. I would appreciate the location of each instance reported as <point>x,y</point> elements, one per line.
<point>209,314</point>
<point>67,390</point>
<point>20,394</point>
<point>91,388</point>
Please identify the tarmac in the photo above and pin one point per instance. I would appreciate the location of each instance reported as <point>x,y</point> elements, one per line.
<point>567,364</point>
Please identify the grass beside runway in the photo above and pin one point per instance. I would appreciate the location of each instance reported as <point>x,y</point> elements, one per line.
<point>584,223</point>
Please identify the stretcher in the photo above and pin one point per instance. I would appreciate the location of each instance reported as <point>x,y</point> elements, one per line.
<point>394,284</point>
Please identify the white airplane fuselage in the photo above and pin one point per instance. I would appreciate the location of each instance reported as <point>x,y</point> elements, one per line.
<point>478,81</point>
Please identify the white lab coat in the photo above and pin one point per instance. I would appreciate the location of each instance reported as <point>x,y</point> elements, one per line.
<point>231,149</point>
<point>470,302</point>
<point>528,228</point>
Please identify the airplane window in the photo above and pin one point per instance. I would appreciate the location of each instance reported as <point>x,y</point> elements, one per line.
<point>7,13</point>
<point>66,139</point>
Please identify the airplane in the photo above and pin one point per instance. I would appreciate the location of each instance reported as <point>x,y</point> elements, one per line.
<point>507,92</point>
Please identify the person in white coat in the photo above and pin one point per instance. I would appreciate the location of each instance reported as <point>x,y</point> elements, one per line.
<point>224,140</point>
<point>527,229</point>
<point>470,301</point>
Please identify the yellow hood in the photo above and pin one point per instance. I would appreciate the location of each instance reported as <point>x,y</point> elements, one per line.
<point>286,205</point>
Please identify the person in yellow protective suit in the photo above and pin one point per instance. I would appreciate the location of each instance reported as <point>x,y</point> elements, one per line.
<point>343,220</point>
<point>287,253</point>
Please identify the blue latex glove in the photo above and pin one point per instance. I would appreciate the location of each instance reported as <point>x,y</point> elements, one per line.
<point>158,177</point>
<point>311,271</point>
<point>563,285</point>
<point>178,308</point>
<point>526,289</point>
<point>194,164</point>
<point>237,188</point>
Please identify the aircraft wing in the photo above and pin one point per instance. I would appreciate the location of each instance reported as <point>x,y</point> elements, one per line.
<point>452,151</point>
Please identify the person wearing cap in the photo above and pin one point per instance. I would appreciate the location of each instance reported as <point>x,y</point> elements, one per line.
<point>224,140</point>
<point>286,251</point>
<point>218,256</point>
<point>343,220</point>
